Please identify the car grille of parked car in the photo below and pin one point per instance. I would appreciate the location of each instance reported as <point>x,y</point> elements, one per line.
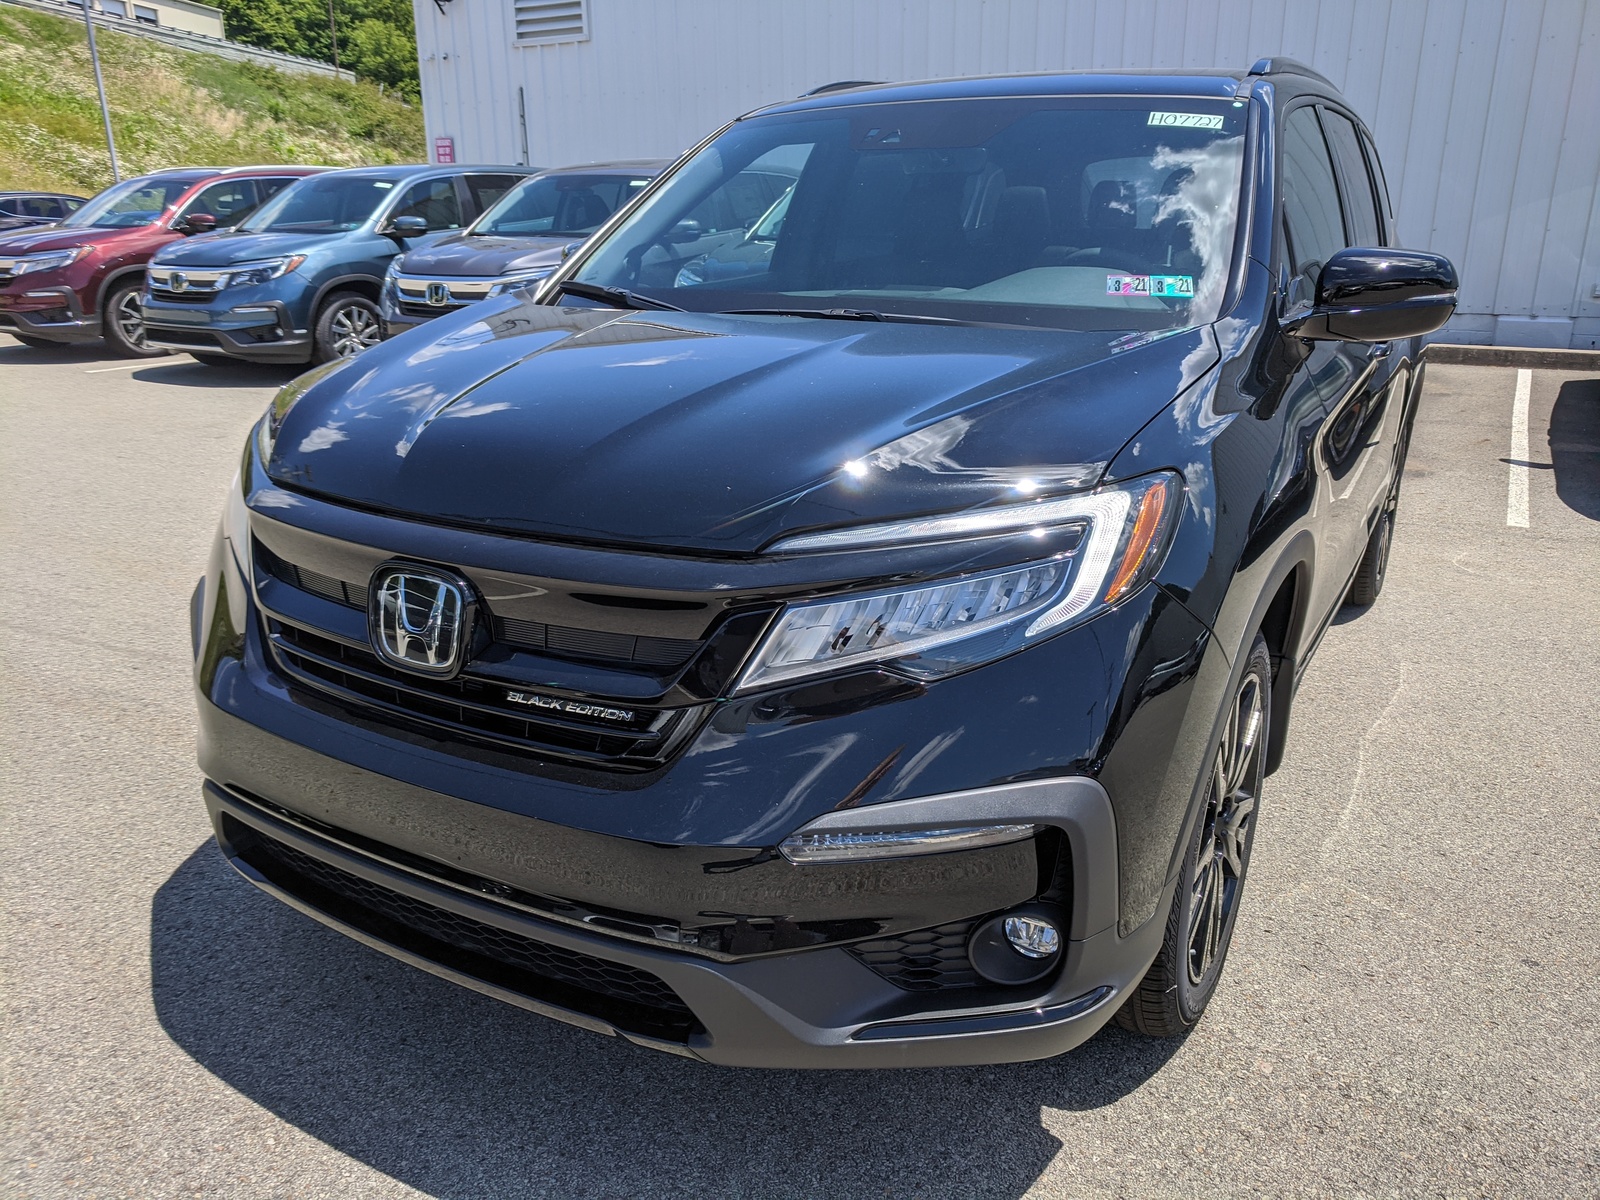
<point>926,960</point>
<point>503,711</point>
<point>421,297</point>
<point>174,284</point>
<point>627,997</point>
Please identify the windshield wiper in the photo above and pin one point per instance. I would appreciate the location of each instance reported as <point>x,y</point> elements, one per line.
<point>614,296</point>
<point>843,314</point>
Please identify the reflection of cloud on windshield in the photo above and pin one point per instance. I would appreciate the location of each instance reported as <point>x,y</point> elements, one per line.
<point>322,437</point>
<point>1205,199</point>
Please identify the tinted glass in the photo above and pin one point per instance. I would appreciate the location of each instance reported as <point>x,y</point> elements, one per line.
<point>1360,208</point>
<point>322,204</point>
<point>486,189</point>
<point>1311,214</point>
<point>434,200</point>
<point>1385,205</point>
<point>129,203</point>
<point>560,205</point>
<point>1102,213</point>
<point>11,208</point>
<point>228,201</point>
<point>268,188</point>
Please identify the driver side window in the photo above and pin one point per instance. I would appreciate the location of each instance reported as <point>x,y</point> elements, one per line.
<point>230,202</point>
<point>434,200</point>
<point>1313,223</point>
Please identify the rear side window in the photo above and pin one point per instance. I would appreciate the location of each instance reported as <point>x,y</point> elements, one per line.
<point>1311,215</point>
<point>486,189</point>
<point>434,200</point>
<point>1360,205</point>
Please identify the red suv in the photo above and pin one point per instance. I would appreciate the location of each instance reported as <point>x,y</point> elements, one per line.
<point>79,280</point>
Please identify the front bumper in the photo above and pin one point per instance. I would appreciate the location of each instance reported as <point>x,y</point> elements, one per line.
<point>813,1008</point>
<point>254,330</point>
<point>51,313</point>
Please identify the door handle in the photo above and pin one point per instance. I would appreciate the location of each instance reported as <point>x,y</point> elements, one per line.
<point>1378,350</point>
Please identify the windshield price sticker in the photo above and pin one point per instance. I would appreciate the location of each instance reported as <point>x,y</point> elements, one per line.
<point>1187,120</point>
<point>1177,286</point>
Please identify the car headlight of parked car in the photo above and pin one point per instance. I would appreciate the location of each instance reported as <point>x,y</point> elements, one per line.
<point>510,283</point>
<point>264,271</point>
<point>54,260</point>
<point>938,628</point>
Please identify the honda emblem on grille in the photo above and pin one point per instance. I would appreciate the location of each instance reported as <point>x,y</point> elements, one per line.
<point>178,282</point>
<point>420,619</point>
<point>438,294</point>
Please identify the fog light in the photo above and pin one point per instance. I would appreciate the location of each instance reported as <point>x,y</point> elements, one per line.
<point>1032,937</point>
<point>1021,946</point>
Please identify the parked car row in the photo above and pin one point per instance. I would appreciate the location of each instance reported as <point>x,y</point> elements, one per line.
<point>304,264</point>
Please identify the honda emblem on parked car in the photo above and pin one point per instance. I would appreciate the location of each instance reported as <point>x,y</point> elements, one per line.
<point>438,294</point>
<point>420,619</point>
<point>178,282</point>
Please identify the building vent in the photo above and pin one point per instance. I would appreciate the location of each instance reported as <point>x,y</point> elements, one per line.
<point>540,22</point>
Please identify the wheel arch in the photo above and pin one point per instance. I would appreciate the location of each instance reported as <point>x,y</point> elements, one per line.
<point>367,287</point>
<point>113,280</point>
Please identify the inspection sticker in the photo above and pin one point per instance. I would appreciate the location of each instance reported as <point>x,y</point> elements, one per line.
<point>1181,286</point>
<point>1187,120</point>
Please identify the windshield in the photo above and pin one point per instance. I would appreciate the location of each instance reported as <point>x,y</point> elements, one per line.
<point>1072,212</point>
<point>321,204</point>
<point>560,205</point>
<point>129,203</point>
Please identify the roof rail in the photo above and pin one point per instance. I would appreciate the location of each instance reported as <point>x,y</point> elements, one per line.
<point>1288,66</point>
<point>840,86</point>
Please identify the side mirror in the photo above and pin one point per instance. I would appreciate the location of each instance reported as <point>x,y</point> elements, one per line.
<point>196,223</point>
<point>569,250</point>
<point>407,227</point>
<point>685,231</point>
<point>1378,295</point>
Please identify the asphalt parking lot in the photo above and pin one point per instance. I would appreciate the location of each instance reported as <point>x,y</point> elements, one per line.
<point>1410,1008</point>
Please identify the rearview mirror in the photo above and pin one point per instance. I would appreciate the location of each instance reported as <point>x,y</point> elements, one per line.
<point>196,223</point>
<point>407,227</point>
<point>1377,295</point>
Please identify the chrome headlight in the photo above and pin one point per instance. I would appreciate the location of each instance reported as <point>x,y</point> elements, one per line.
<point>938,628</point>
<point>54,260</point>
<point>510,283</point>
<point>264,271</point>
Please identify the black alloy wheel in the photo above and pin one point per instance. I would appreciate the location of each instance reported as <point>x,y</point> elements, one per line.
<point>1174,993</point>
<point>347,325</point>
<point>1364,588</point>
<point>122,323</point>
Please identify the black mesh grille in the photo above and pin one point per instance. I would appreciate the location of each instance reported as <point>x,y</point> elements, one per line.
<point>477,707</point>
<point>627,997</point>
<point>926,960</point>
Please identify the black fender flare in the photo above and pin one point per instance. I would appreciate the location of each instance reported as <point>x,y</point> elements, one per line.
<point>337,283</point>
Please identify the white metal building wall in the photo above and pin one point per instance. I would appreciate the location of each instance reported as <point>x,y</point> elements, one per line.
<point>1486,112</point>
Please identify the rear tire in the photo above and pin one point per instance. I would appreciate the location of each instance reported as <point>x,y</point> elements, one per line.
<point>1174,993</point>
<point>1364,588</point>
<point>348,324</point>
<point>122,323</point>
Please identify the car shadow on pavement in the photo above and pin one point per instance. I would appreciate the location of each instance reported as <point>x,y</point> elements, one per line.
<point>462,1096</point>
<point>85,354</point>
<point>185,372</point>
<point>1575,446</point>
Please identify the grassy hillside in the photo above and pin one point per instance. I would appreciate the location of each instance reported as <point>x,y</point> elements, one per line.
<point>174,108</point>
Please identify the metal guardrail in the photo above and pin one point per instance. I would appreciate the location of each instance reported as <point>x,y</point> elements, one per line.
<point>182,39</point>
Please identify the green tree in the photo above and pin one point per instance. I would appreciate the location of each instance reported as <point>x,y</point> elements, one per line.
<point>377,38</point>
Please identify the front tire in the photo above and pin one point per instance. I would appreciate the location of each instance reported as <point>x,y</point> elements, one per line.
<point>1364,588</point>
<point>1174,993</point>
<point>122,323</point>
<point>347,325</point>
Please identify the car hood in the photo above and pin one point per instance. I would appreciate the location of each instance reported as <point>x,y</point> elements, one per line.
<point>227,248</point>
<point>37,241</point>
<point>718,433</point>
<point>468,254</point>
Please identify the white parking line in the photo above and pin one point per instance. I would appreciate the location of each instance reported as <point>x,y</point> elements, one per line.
<point>1517,494</point>
<point>143,362</point>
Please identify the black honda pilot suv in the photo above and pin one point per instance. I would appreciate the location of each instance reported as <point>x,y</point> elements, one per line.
<point>866,654</point>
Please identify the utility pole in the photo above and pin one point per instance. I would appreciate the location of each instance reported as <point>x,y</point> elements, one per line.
<point>100,86</point>
<point>334,31</point>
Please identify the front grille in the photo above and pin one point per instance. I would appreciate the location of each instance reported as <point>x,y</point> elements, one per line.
<point>190,297</point>
<point>427,310</point>
<point>926,960</point>
<point>473,707</point>
<point>561,641</point>
<point>627,997</point>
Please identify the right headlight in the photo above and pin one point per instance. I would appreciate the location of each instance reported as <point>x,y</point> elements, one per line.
<point>938,628</point>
